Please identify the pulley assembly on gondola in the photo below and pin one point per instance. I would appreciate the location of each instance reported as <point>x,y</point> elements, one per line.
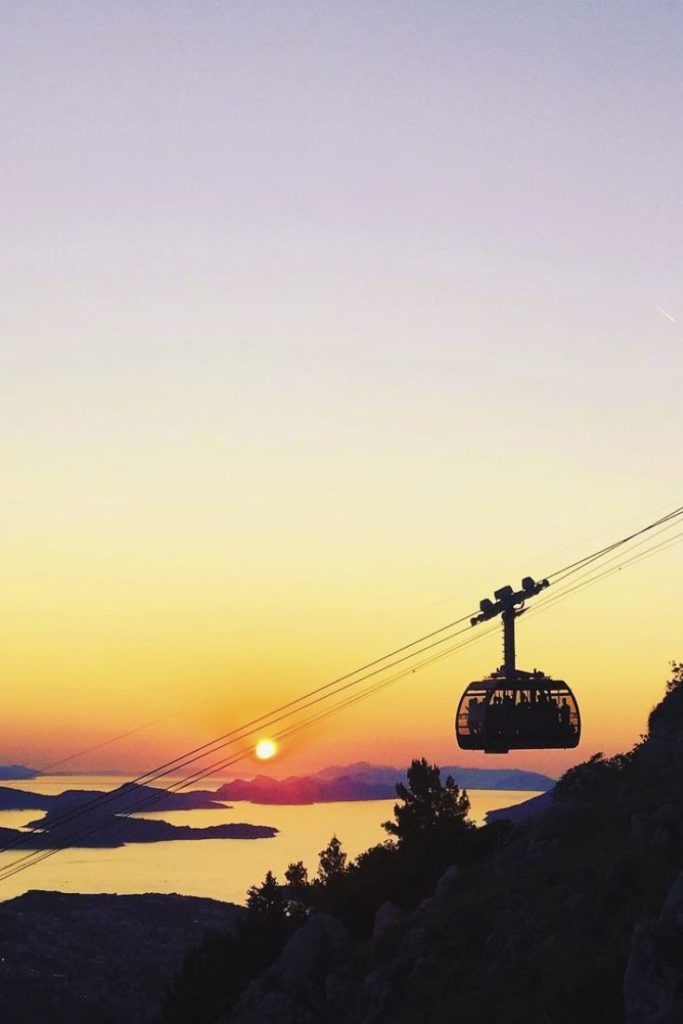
<point>512,709</point>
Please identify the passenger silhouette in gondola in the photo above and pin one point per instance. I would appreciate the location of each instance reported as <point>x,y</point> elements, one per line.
<point>523,715</point>
<point>565,715</point>
<point>474,715</point>
<point>507,714</point>
<point>494,717</point>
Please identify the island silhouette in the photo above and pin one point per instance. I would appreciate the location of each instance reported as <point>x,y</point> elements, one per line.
<point>87,818</point>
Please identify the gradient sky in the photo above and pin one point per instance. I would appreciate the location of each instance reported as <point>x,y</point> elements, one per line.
<point>319,322</point>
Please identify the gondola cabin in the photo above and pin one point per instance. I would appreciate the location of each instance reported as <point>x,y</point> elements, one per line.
<point>512,709</point>
<point>530,712</point>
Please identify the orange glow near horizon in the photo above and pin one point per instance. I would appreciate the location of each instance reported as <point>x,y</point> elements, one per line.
<point>611,647</point>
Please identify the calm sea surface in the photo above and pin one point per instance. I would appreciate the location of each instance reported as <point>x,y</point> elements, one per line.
<point>220,868</point>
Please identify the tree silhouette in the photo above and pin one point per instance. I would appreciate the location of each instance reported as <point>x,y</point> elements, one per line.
<point>431,811</point>
<point>332,861</point>
<point>298,892</point>
<point>666,719</point>
<point>296,876</point>
<point>676,682</point>
<point>266,902</point>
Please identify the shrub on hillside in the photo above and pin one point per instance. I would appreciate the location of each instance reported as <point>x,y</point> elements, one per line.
<point>666,719</point>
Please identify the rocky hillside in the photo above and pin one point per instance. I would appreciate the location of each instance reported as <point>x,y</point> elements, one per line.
<point>577,915</point>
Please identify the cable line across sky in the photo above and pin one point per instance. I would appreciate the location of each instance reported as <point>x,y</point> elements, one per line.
<point>566,581</point>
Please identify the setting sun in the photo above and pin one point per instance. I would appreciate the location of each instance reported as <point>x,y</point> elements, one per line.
<point>265,749</point>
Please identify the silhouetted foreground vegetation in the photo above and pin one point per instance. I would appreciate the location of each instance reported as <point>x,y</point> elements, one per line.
<point>430,830</point>
<point>558,919</point>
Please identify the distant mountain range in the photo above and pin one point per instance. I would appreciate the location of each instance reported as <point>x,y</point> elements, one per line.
<point>17,771</point>
<point>302,789</point>
<point>364,781</point>
<point>358,781</point>
<point>468,778</point>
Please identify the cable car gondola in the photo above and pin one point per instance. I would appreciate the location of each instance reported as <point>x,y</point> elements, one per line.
<point>512,709</point>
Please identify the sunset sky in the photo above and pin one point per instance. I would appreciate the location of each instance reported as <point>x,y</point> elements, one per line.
<point>320,321</point>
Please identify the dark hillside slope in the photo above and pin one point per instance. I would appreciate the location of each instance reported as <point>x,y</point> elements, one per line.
<point>576,916</point>
<point>67,958</point>
<point>544,930</point>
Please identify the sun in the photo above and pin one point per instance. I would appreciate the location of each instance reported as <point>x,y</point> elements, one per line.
<point>265,749</point>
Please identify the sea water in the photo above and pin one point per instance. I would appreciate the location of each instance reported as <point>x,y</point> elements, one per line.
<point>220,868</point>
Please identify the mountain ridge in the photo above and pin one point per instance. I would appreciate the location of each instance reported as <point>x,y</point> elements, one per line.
<point>17,771</point>
<point>364,781</point>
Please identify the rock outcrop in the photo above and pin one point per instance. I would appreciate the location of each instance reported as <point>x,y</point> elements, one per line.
<point>653,983</point>
<point>387,917</point>
<point>308,984</point>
